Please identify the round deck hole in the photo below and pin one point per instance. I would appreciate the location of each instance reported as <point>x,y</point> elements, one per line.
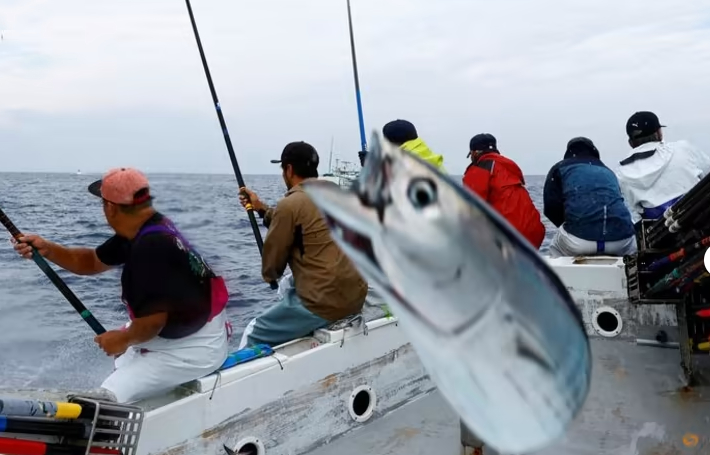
<point>362,403</point>
<point>250,446</point>
<point>607,322</point>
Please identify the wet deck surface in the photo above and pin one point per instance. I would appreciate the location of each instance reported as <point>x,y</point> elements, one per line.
<point>636,407</point>
<point>425,426</point>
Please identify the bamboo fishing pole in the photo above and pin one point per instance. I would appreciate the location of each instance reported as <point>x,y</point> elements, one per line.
<point>227,139</point>
<point>55,279</point>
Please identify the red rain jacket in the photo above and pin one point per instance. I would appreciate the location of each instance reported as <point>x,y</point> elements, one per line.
<point>499,181</point>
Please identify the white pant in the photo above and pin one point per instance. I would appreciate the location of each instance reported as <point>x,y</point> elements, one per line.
<point>565,244</point>
<point>169,363</point>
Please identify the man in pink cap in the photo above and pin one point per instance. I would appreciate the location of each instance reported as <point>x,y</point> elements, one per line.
<point>176,303</point>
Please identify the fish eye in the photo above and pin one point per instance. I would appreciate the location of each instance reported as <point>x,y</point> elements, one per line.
<point>422,193</point>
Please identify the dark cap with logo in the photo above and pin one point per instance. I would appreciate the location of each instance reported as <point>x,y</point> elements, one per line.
<point>483,141</point>
<point>300,154</point>
<point>641,124</point>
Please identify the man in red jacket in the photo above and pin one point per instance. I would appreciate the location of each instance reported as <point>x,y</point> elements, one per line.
<point>499,181</point>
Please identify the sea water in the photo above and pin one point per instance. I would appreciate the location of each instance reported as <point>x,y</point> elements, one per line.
<point>43,342</point>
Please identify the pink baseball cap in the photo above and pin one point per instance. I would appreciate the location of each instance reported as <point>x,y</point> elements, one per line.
<point>123,186</point>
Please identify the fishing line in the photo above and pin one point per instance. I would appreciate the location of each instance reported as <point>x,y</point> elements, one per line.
<point>227,140</point>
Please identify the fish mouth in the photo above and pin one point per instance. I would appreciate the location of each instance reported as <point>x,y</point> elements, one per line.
<point>354,238</point>
<point>352,226</point>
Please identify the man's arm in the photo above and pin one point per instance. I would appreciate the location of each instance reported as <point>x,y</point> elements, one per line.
<point>553,199</point>
<point>81,261</point>
<point>266,213</point>
<point>146,328</point>
<point>477,179</point>
<point>278,242</point>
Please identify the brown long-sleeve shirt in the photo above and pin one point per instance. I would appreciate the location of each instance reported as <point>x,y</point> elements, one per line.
<point>326,281</point>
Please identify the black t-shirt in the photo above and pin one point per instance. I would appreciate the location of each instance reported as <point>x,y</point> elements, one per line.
<point>159,275</point>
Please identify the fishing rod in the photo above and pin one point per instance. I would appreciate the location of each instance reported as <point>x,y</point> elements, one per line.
<point>227,140</point>
<point>358,99</point>
<point>678,255</point>
<point>677,275</point>
<point>54,278</point>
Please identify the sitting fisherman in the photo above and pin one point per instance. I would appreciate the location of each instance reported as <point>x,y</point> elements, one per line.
<point>403,134</point>
<point>178,327</point>
<point>582,198</point>
<point>324,286</point>
<point>656,173</point>
<point>500,182</point>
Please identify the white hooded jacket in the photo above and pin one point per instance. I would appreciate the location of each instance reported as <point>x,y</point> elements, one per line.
<point>656,174</point>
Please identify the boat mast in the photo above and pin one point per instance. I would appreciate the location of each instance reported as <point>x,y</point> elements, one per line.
<point>330,159</point>
<point>363,141</point>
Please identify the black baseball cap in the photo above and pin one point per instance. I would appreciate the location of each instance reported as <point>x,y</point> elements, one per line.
<point>483,141</point>
<point>399,131</point>
<point>298,153</point>
<point>643,123</point>
<point>581,144</point>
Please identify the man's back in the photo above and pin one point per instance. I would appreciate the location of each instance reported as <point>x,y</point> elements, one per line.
<point>499,181</point>
<point>419,148</point>
<point>324,278</point>
<point>593,208</point>
<point>656,174</point>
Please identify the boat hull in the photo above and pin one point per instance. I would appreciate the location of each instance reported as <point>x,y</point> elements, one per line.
<point>298,400</point>
<point>302,397</point>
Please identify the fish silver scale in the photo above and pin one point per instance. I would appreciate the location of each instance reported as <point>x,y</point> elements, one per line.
<point>494,326</point>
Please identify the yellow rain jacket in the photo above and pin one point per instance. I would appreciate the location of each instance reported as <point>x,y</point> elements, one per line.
<point>418,147</point>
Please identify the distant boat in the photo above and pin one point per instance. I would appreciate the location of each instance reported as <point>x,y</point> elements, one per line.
<point>344,173</point>
<point>78,172</point>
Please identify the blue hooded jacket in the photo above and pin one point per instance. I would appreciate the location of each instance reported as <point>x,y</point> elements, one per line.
<point>584,195</point>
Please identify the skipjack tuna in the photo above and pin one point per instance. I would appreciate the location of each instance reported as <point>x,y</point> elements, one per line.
<point>491,321</point>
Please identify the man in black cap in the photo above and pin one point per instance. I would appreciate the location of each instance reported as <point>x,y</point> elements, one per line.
<point>402,133</point>
<point>324,286</point>
<point>500,182</point>
<point>657,173</point>
<point>582,198</point>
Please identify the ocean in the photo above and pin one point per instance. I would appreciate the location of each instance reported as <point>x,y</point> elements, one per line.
<point>43,342</point>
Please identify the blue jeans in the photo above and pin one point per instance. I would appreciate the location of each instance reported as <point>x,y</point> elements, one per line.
<point>287,320</point>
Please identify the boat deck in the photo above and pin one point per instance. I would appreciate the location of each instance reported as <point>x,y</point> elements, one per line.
<point>636,406</point>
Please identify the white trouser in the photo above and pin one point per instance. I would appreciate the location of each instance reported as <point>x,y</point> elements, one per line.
<point>168,362</point>
<point>565,244</point>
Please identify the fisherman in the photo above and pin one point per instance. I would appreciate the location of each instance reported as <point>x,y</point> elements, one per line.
<point>324,286</point>
<point>500,182</point>
<point>657,173</point>
<point>582,198</point>
<point>402,133</point>
<point>178,330</point>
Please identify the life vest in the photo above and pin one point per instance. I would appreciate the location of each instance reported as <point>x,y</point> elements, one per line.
<point>219,295</point>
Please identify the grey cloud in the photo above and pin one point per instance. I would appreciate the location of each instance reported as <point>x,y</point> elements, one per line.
<point>85,81</point>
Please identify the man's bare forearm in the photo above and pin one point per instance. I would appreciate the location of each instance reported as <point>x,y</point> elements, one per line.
<point>81,261</point>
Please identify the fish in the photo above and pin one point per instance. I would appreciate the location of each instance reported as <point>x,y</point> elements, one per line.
<point>492,323</point>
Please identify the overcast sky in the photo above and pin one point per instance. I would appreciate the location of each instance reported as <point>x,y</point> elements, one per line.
<point>88,84</point>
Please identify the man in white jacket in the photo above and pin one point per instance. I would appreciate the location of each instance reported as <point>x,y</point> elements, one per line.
<point>656,173</point>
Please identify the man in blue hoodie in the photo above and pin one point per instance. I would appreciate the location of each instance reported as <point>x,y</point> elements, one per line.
<point>583,199</point>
